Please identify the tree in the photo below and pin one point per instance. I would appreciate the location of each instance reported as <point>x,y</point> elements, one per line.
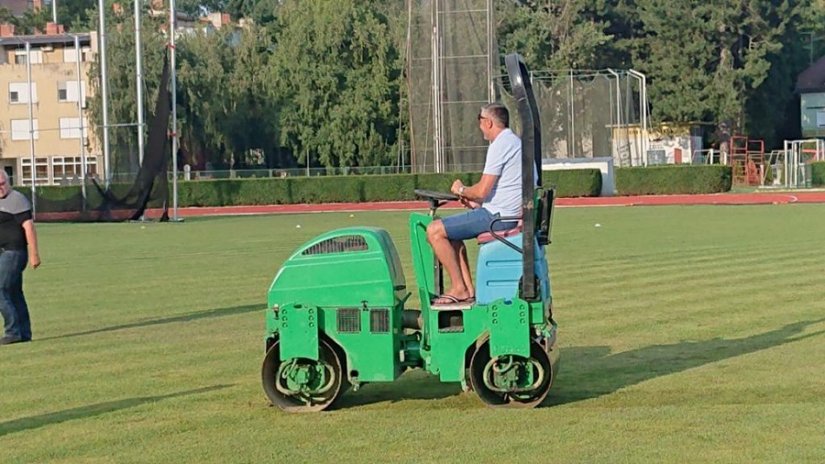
<point>551,34</point>
<point>74,14</point>
<point>226,100</point>
<point>337,76</point>
<point>29,22</point>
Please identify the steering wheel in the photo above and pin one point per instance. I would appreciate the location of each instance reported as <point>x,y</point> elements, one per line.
<point>433,195</point>
<point>436,199</point>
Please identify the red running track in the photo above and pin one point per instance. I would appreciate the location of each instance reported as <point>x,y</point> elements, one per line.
<point>645,200</point>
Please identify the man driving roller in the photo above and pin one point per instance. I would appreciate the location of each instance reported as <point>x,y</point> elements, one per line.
<point>497,194</point>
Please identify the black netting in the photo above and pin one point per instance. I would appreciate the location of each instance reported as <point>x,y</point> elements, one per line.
<point>147,196</point>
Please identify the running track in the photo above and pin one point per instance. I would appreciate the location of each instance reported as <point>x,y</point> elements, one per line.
<point>646,200</point>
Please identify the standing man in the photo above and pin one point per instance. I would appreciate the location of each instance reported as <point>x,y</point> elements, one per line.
<point>18,246</point>
<point>497,194</point>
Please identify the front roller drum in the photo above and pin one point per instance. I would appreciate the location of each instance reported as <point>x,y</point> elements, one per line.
<point>511,381</point>
<point>300,384</point>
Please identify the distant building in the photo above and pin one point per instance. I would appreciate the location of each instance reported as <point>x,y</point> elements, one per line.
<point>59,146</point>
<point>811,87</point>
<point>18,7</point>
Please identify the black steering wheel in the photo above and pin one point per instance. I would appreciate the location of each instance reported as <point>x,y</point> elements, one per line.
<point>436,199</point>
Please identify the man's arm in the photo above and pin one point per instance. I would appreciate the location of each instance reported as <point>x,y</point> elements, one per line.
<point>477,192</point>
<point>31,239</point>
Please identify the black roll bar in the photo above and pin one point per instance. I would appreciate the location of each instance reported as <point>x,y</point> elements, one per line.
<point>522,90</point>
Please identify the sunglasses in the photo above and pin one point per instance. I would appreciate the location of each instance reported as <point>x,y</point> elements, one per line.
<point>480,117</point>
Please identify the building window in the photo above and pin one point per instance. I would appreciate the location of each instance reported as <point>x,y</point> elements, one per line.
<point>41,171</point>
<point>67,91</point>
<point>70,167</point>
<point>70,55</point>
<point>20,129</point>
<point>70,128</point>
<point>20,56</point>
<point>19,92</point>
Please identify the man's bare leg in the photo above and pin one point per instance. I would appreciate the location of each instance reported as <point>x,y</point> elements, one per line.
<point>449,259</point>
<point>464,265</point>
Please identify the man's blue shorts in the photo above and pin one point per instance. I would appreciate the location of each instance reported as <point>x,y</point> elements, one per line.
<point>472,223</point>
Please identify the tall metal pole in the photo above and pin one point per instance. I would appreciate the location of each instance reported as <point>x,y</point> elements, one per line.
<point>643,130</point>
<point>104,88</point>
<point>614,135</point>
<point>54,11</point>
<point>31,127</point>
<point>572,138</point>
<point>80,118</point>
<point>436,64</point>
<point>139,80</point>
<point>172,74</point>
<point>490,53</point>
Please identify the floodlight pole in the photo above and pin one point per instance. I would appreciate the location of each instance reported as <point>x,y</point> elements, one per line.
<point>104,89</point>
<point>172,22</point>
<point>139,81</point>
<point>436,77</point>
<point>80,119</point>
<point>490,65</point>
<point>30,97</point>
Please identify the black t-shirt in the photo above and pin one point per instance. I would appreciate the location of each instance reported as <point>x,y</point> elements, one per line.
<point>15,209</point>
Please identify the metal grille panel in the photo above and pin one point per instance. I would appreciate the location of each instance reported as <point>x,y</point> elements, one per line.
<point>380,320</point>
<point>349,320</point>
<point>342,244</point>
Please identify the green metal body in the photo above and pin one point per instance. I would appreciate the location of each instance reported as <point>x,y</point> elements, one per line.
<point>348,285</point>
<point>506,323</point>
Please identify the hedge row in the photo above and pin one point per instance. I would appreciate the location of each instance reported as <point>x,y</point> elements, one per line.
<point>355,189</point>
<point>401,187</point>
<point>818,173</point>
<point>295,190</point>
<point>673,179</point>
<point>574,182</point>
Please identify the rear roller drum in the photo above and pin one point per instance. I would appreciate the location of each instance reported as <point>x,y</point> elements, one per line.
<point>511,381</point>
<point>302,385</point>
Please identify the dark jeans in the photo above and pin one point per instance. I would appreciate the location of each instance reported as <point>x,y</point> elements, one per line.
<point>12,302</point>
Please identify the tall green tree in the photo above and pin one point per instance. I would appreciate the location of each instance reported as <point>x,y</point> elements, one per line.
<point>552,34</point>
<point>75,14</point>
<point>708,61</point>
<point>226,100</point>
<point>338,77</point>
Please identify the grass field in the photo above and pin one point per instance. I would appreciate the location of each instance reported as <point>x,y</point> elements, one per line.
<point>687,334</point>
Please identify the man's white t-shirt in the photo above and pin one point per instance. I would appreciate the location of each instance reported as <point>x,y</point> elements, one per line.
<point>504,161</point>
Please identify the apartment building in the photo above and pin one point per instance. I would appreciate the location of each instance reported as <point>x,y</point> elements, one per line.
<point>59,125</point>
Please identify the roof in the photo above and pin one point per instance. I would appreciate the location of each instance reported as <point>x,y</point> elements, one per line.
<point>812,79</point>
<point>40,39</point>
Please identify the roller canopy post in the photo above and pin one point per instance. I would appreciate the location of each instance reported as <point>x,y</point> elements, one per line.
<point>522,90</point>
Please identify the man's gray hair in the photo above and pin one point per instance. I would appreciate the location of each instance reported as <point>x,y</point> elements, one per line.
<point>497,113</point>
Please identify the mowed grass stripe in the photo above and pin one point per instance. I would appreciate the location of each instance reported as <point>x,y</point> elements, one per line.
<point>687,334</point>
<point>676,261</point>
